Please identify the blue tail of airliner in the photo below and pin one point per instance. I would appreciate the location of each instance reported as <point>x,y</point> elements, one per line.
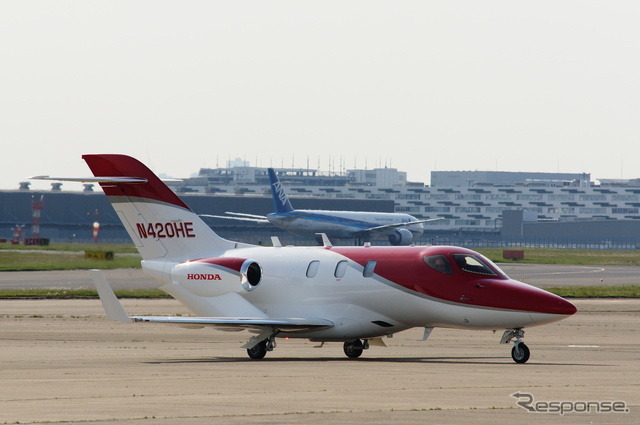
<point>280,200</point>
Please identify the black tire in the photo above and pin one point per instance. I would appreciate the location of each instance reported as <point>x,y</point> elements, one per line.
<point>353,349</point>
<point>258,351</point>
<point>520,353</point>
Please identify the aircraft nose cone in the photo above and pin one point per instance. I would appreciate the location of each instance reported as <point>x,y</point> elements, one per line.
<point>541,301</point>
<point>558,305</point>
<point>549,308</point>
<point>535,300</point>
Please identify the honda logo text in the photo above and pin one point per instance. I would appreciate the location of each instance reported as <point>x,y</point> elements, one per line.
<point>203,276</point>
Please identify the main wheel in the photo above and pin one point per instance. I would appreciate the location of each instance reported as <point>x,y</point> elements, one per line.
<point>520,353</point>
<point>258,351</point>
<point>353,349</point>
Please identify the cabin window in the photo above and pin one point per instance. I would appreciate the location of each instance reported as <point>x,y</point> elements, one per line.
<point>368,268</point>
<point>473,264</point>
<point>439,263</point>
<point>341,269</point>
<point>312,269</point>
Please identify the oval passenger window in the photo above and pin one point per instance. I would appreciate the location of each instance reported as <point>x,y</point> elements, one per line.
<point>341,269</point>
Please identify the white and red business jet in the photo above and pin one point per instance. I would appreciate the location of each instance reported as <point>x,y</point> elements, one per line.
<point>354,295</point>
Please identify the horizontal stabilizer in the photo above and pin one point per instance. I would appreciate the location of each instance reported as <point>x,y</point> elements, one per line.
<point>158,222</point>
<point>119,180</point>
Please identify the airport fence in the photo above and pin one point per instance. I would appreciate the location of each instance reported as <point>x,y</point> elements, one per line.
<point>558,243</point>
<point>115,234</point>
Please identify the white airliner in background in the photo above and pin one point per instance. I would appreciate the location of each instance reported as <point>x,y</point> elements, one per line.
<point>353,295</point>
<point>401,229</point>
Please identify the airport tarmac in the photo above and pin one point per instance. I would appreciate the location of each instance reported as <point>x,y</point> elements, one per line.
<point>541,275</point>
<point>546,275</point>
<point>61,361</point>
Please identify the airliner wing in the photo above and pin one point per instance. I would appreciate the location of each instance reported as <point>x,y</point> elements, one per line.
<point>294,214</point>
<point>245,214</point>
<point>394,225</point>
<point>254,219</point>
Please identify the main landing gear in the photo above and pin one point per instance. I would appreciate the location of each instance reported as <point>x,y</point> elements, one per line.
<point>353,349</point>
<point>259,350</point>
<point>520,352</point>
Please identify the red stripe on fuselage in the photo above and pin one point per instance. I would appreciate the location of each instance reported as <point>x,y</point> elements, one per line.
<point>110,165</point>
<point>405,266</point>
<point>228,262</point>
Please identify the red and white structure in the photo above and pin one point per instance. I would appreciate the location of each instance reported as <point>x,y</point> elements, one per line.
<point>18,234</point>
<point>96,229</point>
<point>353,295</point>
<point>37,205</point>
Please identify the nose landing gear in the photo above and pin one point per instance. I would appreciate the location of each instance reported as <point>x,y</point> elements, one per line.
<point>520,352</point>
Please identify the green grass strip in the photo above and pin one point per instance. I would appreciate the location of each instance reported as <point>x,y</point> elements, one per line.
<point>86,294</point>
<point>117,248</point>
<point>76,294</point>
<point>581,257</point>
<point>631,291</point>
<point>35,261</point>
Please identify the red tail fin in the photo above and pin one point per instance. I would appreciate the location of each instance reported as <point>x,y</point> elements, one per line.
<point>158,222</point>
<point>126,166</point>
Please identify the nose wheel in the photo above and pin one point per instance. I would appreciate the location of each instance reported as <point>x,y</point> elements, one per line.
<point>520,352</point>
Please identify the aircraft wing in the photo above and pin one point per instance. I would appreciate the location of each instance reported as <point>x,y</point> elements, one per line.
<point>243,217</point>
<point>255,218</point>
<point>114,311</point>
<point>394,225</point>
<point>285,324</point>
<point>292,216</point>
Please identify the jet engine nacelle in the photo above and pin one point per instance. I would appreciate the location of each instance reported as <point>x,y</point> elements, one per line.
<point>211,277</point>
<point>401,237</point>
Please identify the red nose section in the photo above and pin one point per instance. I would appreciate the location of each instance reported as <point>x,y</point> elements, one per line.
<point>558,305</point>
<point>529,298</point>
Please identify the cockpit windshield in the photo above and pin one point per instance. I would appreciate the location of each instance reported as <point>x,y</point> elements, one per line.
<point>439,263</point>
<point>475,264</point>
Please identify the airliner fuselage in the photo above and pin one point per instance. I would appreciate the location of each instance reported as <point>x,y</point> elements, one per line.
<point>341,224</point>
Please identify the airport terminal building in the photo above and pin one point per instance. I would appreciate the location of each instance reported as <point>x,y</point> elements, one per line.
<point>465,199</point>
<point>471,204</point>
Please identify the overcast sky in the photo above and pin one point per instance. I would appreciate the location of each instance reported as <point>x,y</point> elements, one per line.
<point>420,86</point>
